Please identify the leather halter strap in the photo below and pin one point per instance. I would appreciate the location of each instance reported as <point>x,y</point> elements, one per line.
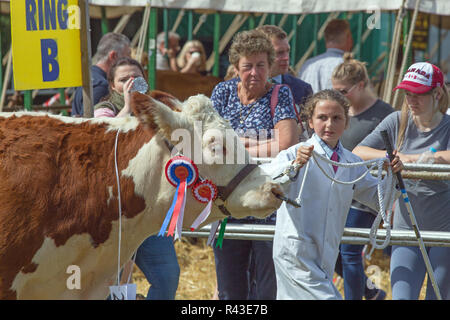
<point>225,191</point>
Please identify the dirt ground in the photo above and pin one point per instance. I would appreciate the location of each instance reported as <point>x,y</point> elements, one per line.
<point>198,276</point>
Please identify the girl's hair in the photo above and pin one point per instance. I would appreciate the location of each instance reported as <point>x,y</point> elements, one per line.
<point>327,94</point>
<point>351,71</point>
<point>248,43</point>
<point>181,58</point>
<point>125,61</point>
<point>442,107</point>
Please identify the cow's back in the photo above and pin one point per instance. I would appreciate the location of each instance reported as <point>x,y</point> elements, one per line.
<point>56,175</point>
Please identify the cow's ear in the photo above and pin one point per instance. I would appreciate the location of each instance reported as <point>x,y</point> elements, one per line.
<point>143,108</point>
<point>156,115</point>
<point>166,98</point>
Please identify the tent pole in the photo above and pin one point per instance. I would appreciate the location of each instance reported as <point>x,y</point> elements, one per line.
<point>216,67</point>
<point>407,49</point>
<point>283,20</point>
<point>178,20</point>
<point>86,62</point>
<point>263,19</point>
<point>201,20</point>
<point>190,24</point>
<point>237,22</point>
<point>359,35</point>
<point>316,28</point>
<point>104,24</point>
<point>393,55</point>
<point>251,21</point>
<point>27,100</point>
<point>293,38</point>
<point>152,30</point>
<point>299,22</point>
<point>6,78</point>
<point>166,27</point>
<point>439,42</point>
<point>273,18</point>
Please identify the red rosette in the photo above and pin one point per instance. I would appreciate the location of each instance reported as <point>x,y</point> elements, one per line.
<point>181,168</point>
<point>204,191</point>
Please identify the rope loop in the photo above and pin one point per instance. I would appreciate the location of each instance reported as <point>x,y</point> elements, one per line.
<point>385,197</point>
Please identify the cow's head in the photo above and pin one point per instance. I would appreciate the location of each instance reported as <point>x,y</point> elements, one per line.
<point>198,132</point>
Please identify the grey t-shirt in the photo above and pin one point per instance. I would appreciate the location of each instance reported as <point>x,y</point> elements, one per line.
<point>359,127</point>
<point>430,200</point>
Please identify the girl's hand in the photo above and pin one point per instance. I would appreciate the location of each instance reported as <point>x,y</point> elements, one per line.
<point>303,154</point>
<point>396,164</point>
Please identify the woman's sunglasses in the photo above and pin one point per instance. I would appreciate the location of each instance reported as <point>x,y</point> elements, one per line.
<point>346,91</point>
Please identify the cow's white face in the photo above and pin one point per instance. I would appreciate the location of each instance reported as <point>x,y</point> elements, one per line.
<point>199,133</point>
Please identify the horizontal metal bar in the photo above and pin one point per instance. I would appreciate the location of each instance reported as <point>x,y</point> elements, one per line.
<point>351,235</point>
<point>425,175</point>
<point>435,167</point>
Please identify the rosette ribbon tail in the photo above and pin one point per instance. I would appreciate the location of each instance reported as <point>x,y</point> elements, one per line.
<point>179,207</point>
<point>202,216</point>
<point>169,213</point>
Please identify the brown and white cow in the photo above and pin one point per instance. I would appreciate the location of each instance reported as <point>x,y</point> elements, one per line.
<point>59,200</point>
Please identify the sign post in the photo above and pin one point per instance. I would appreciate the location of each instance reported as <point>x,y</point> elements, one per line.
<point>85,37</point>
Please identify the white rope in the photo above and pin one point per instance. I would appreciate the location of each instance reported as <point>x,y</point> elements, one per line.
<point>382,194</point>
<point>120,207</point>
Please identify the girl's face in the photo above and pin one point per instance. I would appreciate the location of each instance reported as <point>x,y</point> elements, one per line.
<point>328,121</point>
<point>254,71</point>
<point>420,104</point>
<point>122,74</point>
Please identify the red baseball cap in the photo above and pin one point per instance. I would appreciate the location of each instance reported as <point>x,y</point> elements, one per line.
<point>421,77</point>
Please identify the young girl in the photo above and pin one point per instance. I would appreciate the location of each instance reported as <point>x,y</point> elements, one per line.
<point>306,242</point>
<point>352,80</point>
<point>422,123</point>
<point>156,256</point>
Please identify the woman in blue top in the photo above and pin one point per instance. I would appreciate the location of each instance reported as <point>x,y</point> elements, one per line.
<point>246,102</point>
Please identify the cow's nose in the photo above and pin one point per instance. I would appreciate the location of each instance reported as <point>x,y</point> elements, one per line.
<point>276,189</point>
<point>279,194</point>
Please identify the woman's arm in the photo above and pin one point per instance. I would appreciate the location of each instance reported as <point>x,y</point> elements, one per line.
<point>286,135</point>
<point>442,157</point>
<point>367,153</point>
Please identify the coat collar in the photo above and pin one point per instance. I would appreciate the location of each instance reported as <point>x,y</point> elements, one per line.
<point>319,148</point>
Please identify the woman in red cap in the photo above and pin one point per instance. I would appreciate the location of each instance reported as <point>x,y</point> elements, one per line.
<point>422,124</point>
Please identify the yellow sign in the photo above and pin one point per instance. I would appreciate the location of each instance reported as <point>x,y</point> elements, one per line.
<point>45,44</point>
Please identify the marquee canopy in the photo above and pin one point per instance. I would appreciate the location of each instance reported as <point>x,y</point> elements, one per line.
<point>441,7</point>
<point>438,7</point>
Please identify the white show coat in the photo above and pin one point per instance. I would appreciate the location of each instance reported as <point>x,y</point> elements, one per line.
<point>306,241</point>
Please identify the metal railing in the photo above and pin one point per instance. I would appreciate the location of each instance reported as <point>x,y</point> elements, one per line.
<point>351,235</point>
<point>411,171</point>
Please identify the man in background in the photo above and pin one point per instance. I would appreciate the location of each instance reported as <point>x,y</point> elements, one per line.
<point>317,70</point>
<point>166,58</point>
<point>112,46</point>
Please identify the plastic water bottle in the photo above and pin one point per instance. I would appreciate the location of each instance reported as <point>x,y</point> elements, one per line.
<point>426,158</point>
